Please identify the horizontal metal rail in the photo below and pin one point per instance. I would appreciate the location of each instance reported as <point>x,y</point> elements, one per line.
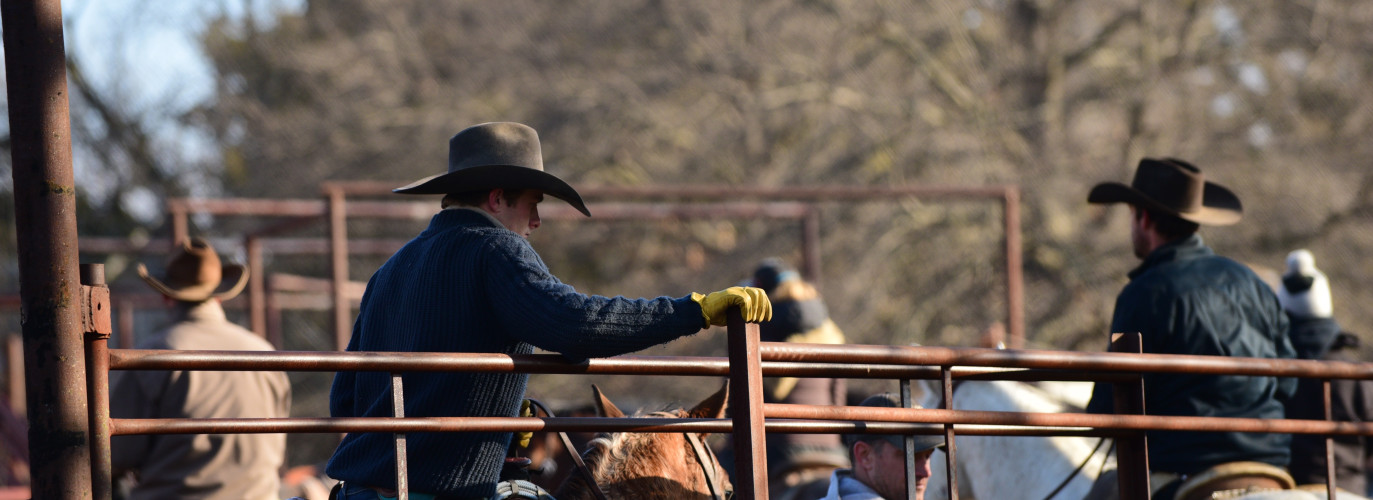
<point>1065,360</point>
<point>425,209</point>
<point>712,192</point>
<point>328,361</point>
<point>854,361</point>
<point>1117,422</point>
<point>127,426</point>
<point>779,359</point>
<point>810,420</point>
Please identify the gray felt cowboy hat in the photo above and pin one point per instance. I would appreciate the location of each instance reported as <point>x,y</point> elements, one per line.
<point>194,274</point>
<point>1175,187</point>
<point>494,155</point>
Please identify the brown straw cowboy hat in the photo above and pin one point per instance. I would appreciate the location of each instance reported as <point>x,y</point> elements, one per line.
<point>494,155</point>
<point>1175,187</point>
<point>194,274</point>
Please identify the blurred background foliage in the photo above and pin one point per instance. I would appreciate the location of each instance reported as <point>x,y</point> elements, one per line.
<point>1051,96</point>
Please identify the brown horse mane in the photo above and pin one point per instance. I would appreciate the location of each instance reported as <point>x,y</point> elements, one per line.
<point>644,465</point>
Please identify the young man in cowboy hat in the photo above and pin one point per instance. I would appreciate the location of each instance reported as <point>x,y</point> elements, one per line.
<point>879,462</point>
<point>217,466</point>
<point>1185,299</point>
<point>472,283</point>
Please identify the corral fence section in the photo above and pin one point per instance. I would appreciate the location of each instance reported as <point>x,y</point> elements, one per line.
<point>67,327</point>
<point>748,361</point>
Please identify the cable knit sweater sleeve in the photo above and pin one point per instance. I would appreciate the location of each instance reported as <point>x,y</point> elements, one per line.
<point>535,307</point>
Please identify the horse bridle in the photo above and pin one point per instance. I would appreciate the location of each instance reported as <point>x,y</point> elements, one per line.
<point>704,457</point>
<point>708,464</point>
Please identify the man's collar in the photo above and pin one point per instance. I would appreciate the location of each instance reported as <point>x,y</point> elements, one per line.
<point>484,214</point>
<point>844,485</point>
<point>209,310</point>
<point>1173,250</point>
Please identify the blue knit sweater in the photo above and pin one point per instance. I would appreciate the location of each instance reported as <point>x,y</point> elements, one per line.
<point>466,284</point>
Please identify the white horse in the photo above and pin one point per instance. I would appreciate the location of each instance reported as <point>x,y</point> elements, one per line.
<point>1031,467</point>
<point>1020,467</point>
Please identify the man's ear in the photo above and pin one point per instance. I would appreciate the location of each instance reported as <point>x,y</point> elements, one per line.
<point>1143,217</point>
<point>495,200</point>
<point>862,454</point>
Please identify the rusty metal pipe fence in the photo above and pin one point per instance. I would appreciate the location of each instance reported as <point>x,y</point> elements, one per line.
<point>757,359</point>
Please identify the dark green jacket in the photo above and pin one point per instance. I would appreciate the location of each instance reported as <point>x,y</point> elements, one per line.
<point>1185,299</point>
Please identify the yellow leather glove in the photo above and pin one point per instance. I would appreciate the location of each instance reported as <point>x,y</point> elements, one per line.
<point>523,437</point>
<point>752,302</point>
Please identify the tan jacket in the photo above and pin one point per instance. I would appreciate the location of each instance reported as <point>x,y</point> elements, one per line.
<point>219,466</point>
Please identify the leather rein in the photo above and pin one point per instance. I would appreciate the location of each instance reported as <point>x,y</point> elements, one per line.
<point>704,458</point>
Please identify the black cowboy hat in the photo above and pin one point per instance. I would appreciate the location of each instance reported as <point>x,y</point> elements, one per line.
<point>503,155</point>
<point>1175,187</point>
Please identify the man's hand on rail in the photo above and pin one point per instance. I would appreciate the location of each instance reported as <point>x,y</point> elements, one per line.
<point>752,302</point>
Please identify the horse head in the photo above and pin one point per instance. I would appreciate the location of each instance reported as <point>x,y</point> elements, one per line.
<point>656,465</point>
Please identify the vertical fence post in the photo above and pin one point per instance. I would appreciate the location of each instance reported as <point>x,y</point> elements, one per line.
<point>257,290</point>
<point>14,365</point>
<point>126,324</point>
<point>1015,281</point>
<point>338,249</point>
<point>97,325</point>
<point>179,213</point>
<point>950,450</point>
<point>1132,453</point>
<point>402,465</point>
<point>1329,444</point>
<point>45,228</point>
<point>810,244</point>
<point>746,401</point>
<point>908,440</point>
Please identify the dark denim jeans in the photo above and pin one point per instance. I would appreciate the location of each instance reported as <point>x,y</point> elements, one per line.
<point>355,492</point>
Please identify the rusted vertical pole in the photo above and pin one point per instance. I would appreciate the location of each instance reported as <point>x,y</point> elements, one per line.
<point>14,363</point>
<point>402,458</point>
<point>746,401</point>
<point>810,245</point>
<point>273,314</point>
<point>338,248</point>
<point>1329,444</point>
<point>45,223</point>
<point>257,290</point>
<point>908,440</point>
<point>950,448</point>
<point>176,210</point>
<point>126,324</point>
<point>1015,284</point>
<point>95,320</point>
<point>1132,453</point>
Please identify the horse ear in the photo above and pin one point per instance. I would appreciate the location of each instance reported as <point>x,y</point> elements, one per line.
<point>604,407</point>
<point>713,406</point>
